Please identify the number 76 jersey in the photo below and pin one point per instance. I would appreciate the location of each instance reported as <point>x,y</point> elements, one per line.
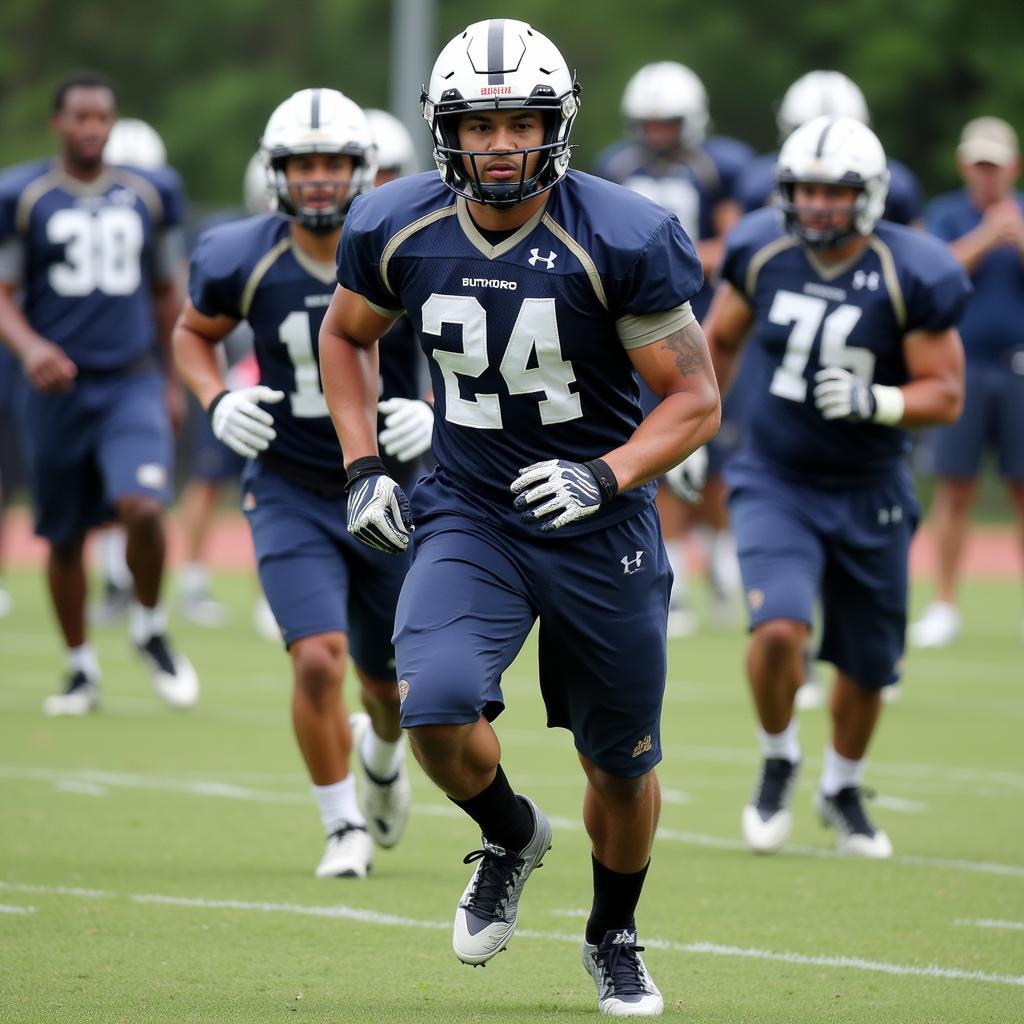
<point>809,314</point>
<point>527,334</point>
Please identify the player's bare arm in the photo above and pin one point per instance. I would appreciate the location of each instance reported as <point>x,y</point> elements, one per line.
<point>726,327</point>
<point>349,370</point>
<point>193,341</point>
<point>46,365</point>
<point>935,394</point>
<point>678,370</point>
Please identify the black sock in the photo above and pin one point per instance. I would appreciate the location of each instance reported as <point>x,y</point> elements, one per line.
<point>504,818</point>
<point>615,898</point>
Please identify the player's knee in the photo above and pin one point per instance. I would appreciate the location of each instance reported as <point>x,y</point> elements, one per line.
<point>380,693</point>
<point>141,515</point>
<point>319,667</point>
<point>780,640</point>
<point>435,747</point>
<point>67,553</point>
<point>617,790</point>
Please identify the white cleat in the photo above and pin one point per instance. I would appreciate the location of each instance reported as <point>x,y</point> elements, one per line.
<point>349,853</point>
<point>855,835</point>
<point>174,678</point>
<point>385,803</point>
<point>624,988</point>
<point>938,626</point>
<point>767,821</point>
<point>263,621</point>
<point>81,696</point>
<point>201,609</point>
<point>486,915</point>
<point>811,695</point>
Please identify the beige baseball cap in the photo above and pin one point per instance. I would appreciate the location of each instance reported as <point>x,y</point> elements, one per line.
<point>988,140</point>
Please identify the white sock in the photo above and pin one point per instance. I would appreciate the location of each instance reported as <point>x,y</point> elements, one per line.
<point>113,563</point>
<point>83,659</point>
<point>840,772</point>
<point>724,561</point>
<point>781,744</point>
<point>193,578</point>
<point>677,560</point>
<point>337,804</point>
<point>144,623</point>
<point>383,758</point>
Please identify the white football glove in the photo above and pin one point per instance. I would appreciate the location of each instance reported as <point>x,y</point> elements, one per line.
<point>686,481</point>
<point>839,395</point>
<point>378,510</point>
<point>240,423</point>
<point>574,491</point>
<point>408,427</point>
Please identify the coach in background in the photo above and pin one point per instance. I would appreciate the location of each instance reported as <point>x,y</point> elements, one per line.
<point>983,224</point>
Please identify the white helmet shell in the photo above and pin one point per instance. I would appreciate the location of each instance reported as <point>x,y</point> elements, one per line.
<point>835,151</point>
<point>500,64</point>
<point>256,185</point>
<point>395,151</point>
<point>665,91</point>
<point>134,143</point>
<point>818,93</point>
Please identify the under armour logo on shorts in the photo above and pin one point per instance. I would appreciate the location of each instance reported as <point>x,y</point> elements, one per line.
<point>151,475</point>
<point>548,261</point>
<point>632,565</point>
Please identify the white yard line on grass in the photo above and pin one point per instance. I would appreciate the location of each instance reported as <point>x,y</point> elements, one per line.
<point>988,922</point>
<point>7,908</point>
<point>373,917</point>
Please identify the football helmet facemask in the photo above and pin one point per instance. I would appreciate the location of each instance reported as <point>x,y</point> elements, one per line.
<point>833,151</point>
<point>318,121</point>
<point>500,64</point>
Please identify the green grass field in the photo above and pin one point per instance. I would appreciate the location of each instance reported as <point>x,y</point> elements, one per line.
<point>158,866</point>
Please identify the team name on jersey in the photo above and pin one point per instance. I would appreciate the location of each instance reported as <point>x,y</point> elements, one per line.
<point>315,301</point>
<point>823,291</point>
<point>489,282</point>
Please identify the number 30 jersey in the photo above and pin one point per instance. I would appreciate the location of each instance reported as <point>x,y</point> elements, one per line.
<point>810,314</point>
<point>87,255</point>
<point>526,336</point>
<point>251,270</point>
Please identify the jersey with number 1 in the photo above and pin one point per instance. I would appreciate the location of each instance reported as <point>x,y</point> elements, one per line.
<point>527,337</point>
<point>88,255</point>
<point>810,314</point>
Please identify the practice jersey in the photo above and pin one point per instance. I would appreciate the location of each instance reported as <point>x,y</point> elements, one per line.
<point>251,270</point>
<point>527,339</point>
<point>809,314</point>
<point>87,256</point>
<point>691,188</point>
<point>755,186</point>
<point>993,325</point>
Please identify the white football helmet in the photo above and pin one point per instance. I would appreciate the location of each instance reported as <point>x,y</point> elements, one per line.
<point>500,64</point>
<point>835,151</point>
<point>256,185</point>
<point>318,121</point>
<point>667,91</point>
<point>395,151</point>
<point>817,93</point>
<point>134,143</point>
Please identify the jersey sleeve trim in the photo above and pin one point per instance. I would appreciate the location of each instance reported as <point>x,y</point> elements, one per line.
<point>32,194</point>
<point>891,278</point>
<point>145,190</point>
<point>581,254</point>
<point>406,233</point>
<point>12,261</point>
<point>267,260</point>
<point>390,314</point>
<point>761,257</point>
<point>638,331</point>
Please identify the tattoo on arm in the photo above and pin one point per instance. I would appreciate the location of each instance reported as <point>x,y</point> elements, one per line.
<point>689,348</point>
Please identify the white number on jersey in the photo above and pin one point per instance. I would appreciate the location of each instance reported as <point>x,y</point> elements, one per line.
<point>307,400</point>
<point>807,314</point>
<point>534,338</point>
<point>101,251</point>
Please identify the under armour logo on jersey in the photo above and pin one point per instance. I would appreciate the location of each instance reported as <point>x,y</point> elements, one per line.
<point>632,565</point>
<point>548,261</point>
<point>866,280</point>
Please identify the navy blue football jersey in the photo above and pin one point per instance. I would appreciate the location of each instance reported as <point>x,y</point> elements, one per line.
<point>993,325</point>
<point>89,255</point>
<point>526,339</point>
<point>809,314</point>
<point>756,184</point>
<point>251,270</point>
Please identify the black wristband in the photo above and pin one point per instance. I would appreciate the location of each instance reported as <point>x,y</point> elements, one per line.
<point>368,465</point>
<point>604,476</point>
<point>216,401</point>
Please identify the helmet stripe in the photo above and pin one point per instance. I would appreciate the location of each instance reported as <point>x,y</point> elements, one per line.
<point>820,150</point>
<point>314,117</point>
<point>496,51</point>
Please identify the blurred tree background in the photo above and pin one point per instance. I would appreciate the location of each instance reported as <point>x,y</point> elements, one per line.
<point>207,75</point>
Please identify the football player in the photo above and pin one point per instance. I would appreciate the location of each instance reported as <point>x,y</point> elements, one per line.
<point>854,320</point>
<point>669,158</point>
<point>330,595</point>
<point>538,294</point>
<point>94,249</point>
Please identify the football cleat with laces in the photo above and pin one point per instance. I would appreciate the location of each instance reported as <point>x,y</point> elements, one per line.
<point>349,853</point>
<point>855,835</point>
<point>385,803</point>
<point>767,820</point>
<point>81,695</point>
<point>624,988</point>
<point>486,915</point>
<point>174,678</point>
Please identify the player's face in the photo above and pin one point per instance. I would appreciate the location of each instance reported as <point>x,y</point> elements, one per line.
<point>497,135</point>
<point>662,136</point>
<point>988,183</point>
<point>83,124</point>
<point>318,181</point>
<point>822,206</point>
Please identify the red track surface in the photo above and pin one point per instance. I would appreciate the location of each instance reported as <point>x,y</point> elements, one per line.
<point>992,552</point>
